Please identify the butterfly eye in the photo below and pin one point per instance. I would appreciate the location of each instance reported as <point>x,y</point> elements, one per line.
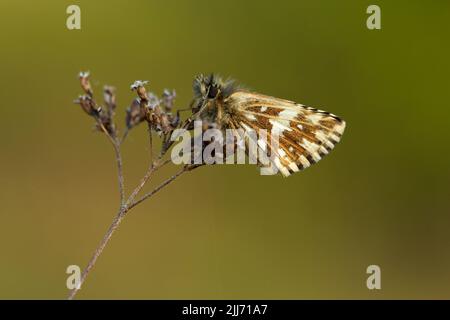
<point>213,91</point>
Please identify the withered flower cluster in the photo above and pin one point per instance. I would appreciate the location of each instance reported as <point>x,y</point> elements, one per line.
<point>103,115</point>
<point>157,112</point>
<point>146,107</point>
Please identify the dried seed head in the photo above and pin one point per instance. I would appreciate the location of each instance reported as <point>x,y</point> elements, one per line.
<point>84,74</point>
<point>107,122</point>
<point>138,83</point>
<point>153,101</point>
<point>168,98</point>
<point>88,105</point>
<point>134,114</point>
<point>139,87</point>
<point>109,95</point>
<point>165,124</point>
<point>85,84</point>
<point>175,120</point>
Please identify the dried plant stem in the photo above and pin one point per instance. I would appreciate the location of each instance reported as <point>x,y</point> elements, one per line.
<point>161,122</point>
<point>150,143</point>
<point>124,136</point>
<point>98,251</point>
<point>162,185</point>
<point>151,169</point>
<point>120,172</point>
<point>116,222</point>
<point>116,146</point>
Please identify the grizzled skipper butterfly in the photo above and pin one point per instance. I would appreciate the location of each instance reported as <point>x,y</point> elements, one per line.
<point>305,134</point>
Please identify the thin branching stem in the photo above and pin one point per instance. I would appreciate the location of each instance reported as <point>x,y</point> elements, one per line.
<point>150,144</point>
<point>124,136</point>
<point>118,155</point>
<point>114,225</point>
<point>99,251</point>
<point>151,169</point>
<point>151,193</point>
<point>120,172</point>
<point>125,206</point>
<point>89,105</point>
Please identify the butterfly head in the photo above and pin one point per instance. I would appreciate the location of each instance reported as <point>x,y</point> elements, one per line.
<point>207,87</point>
<point>212,87</point>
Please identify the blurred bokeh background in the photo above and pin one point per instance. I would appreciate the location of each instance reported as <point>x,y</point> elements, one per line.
<point>381,197</point>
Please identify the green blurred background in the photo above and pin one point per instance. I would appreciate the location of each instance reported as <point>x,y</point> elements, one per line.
<point>382,197</point>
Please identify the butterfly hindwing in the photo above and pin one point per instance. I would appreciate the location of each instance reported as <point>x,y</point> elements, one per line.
<point>305,134</point>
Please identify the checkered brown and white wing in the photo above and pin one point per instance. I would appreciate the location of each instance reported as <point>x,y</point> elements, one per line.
<point>305,134</point>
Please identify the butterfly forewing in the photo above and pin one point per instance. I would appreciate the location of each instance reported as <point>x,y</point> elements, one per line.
<point>305,134</point>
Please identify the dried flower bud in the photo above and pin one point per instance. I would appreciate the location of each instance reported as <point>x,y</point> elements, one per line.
<point>109,95</point>
<point>134,114</point>
<point>85,84</point>
<point>166,127</point>
<point>88,105</point>
<point>153,100</point>
<point>107,122</point>
<point>154,115</point>
<point>139,87</point>
<point>168,98</point>
<point>175,120</point>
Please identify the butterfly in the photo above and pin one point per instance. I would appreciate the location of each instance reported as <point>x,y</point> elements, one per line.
<point>305,134</point>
